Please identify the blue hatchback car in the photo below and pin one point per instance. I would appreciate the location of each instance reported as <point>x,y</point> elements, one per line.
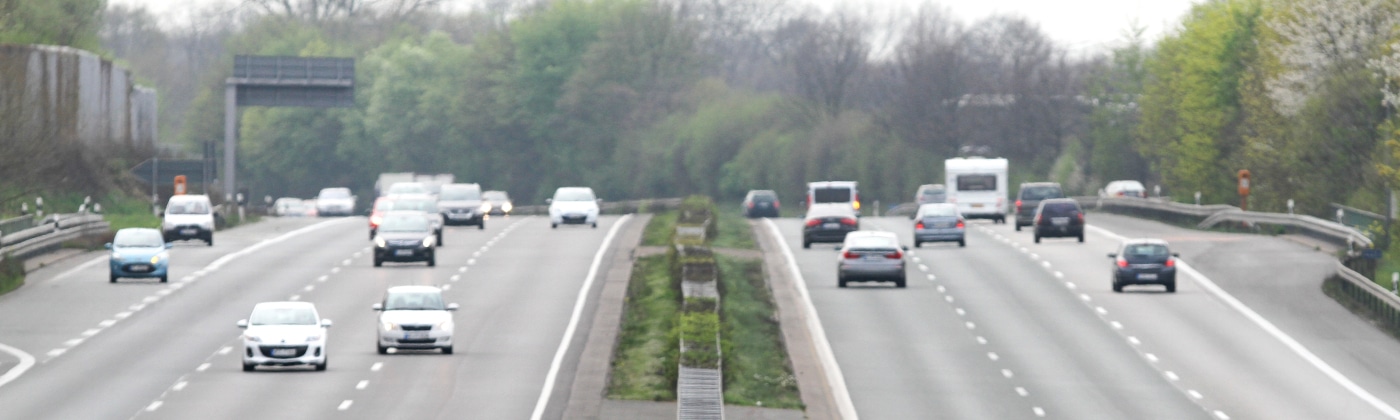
<point>139,252</point>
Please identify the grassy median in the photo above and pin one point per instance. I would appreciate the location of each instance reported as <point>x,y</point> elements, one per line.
<point>644,365</point>
<point>734,230</point>
<point>756,366</point>
<point>658,231</point>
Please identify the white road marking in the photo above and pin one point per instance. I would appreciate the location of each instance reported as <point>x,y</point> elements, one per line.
<point>91,332</point>
<point>107,323</point>
<point>477,253</point>
<point>309,288</point>
<point>335,270</point>
<point>1101,310</point>
<point>1171,375</point>
<point>225,350</point>
<point>1116,325</point>
<point>1059,275</point>
<point>1035,256</point>
<point>981,340</point>
<point>923,267</point>
<point>56,352</point>
<point>455,277</point>
<point>948,298</point>
<point>202,367</point>
<point>835,379</point>
<point>376,367</point>
<point>180,386</point>
<point>574,318</point>
<point>136,307</point>
<point>154,406</point>
<point>357,254</point>
<point>1150,357</point>
<point>941,289</point>
<point>1085,297</point>
<point>187,279</point>
<point>446,287</point>
<point>294,298</point>
<point>932,277</point>
<point>151,299</point>
<point>1221,415</point>
<point>1022,391</point>
<point>345,262</point>
<point>1039,412</point>
<point>164,292</point>
<point>1007,373</point>
<point>25,362</point>
<point>471,261</point>
<point>462,270</point>
<point>322,278</point>
<point>73,342</point>
<point>1194,394</point>
<point>345,405</point>
<point>960,312</point>
<point>177,286</point>
<point>362,384</point>
<point>993,355</point>
<point>916,259</point>
<point>1070,285</point>
<point>81,267</point>
<point>970,325</point>
<point>1134,340</point>
<point>1045,264</point>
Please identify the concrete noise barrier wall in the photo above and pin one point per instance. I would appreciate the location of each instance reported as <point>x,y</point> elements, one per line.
<point>58,93</point>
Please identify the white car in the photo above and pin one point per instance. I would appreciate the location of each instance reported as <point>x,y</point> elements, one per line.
<point>284,334</point>
<point>1128,188</point>
<point>188,217</point>
<point>335,202</point>
<point>573,205</point>
<point>414,317</point>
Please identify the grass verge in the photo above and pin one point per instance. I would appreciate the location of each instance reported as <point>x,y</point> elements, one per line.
<point>11,275</point>
<point>734,229</point>
<point>644,365</point>
<point>658,231</point>
<point>756,366</point>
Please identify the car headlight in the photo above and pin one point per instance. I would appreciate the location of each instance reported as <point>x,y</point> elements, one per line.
<point>485,207</point>
<point>380,242</point>
<point>116,256</point>
<point>428,242</point>
<point>389,326</point>
<point>252,338</point>
<point>444,326</point>
<point>506,207</point>
<point>313,338</point>
<point>156,259</point>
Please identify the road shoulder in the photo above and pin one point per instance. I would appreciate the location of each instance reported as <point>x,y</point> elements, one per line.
<point>811,377</point>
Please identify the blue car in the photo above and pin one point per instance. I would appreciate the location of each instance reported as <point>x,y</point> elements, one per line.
<point>139,252</point>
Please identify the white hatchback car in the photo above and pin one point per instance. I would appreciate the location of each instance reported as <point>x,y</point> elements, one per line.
<point>284,334</point>
<point>573,205</point>
<point>188,217</point>
<point>414,317</point>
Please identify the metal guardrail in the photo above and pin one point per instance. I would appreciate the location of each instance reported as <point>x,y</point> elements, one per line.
<point>51,233</point>
<point>16,224</point>
<point>1381,304</point>
<point>1209,216</point>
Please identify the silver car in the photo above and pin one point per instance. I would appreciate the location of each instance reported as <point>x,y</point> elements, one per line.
<point>939,222</point>
<point>871,256</point>
<point>284,334</point>
<point>414,317</point>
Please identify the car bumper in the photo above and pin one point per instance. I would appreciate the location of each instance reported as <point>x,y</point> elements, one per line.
<point>872,272</point>
<point>137,269</point>
<point>185,233</point>
<point>303,354</point>
<point>1163,276</point>
<point>936,235</point>
<point>462,218</point>
<point>403,254</point>
<point>400,339</point>
<point>573,219</point>
<point>826,235</point>
<point>1059,231</point>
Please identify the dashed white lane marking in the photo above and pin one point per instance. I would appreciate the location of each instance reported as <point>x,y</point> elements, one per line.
<point>1022,392</point>
<point>187,279</point>
<point>1070,285</point>
<point>345,262</point>
<point>1085,297</point>
<point>1221,415</point>
<point>154,406</point>
<point>362,384</point>
<point>91,332</point>
<point>981,340</point>
<point>1150,357</point>
<point>107,323</point>
<point>1059,275</point>
<point>941,289</point>
<point>476,254</point>
<point>1171,376</point>
<point>455,277</point>
<point>446,287</point>
<point>948,298</point>
<point>357,254</point>
<point>294,298</point>
<point>177,286</point>
<point>1116,325</point>
<point>960,312</point>
<point>180,386</point>
<point>1134,340</point>
<point>1194,394</point>
<point>225,350</point>
<point>1035,256</point>
<point>309,288</point>
<point>923,267</point>
<point>376,367</point>
<point>151,299</point>
<point>993,355</point>
<point>1025,250</point>
<point>345,405</point>
<point>73,342</point>
<point>971,326</point>
<point>136,307</point>
<point>1045,264</point>
<point>322,278</point>
<point>335,270</point>
<point>56,352</point>
<point>1101,310</point>
<point>202,367</point>
<point>1039,412</point>
<point>1007,373</point>
<point>916,259</point>
<point>471,261</point>
<point>462,270</point>
<point>932,277</point>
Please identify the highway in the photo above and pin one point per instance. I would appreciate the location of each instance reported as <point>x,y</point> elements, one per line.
<point>1006,328</point>
<point>144,350</point>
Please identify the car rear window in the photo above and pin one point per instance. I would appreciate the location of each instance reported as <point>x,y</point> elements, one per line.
<point>869,242</point>
<point>831,195</point>
<point>986,182</point>
<point>1041,193</point>
<point>189,207</point>
<point>940,211</point>
<point>1144,252</point>
<point>335,193</point>
<point>1061,208</point>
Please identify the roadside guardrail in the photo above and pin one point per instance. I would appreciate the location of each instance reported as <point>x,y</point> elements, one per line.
<point>50,233</point>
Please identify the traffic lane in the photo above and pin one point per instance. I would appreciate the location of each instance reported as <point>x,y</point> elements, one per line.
<point>1281,281</point>
<point>345,298</point>
<point>73,299</point>
<point>905,353</point>
<point>129,364</point>
<point>1055,346</point>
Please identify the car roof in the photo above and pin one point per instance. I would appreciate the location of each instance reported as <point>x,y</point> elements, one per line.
<point>872,233</point>
<point>1144,241</point>
<point>410,197</point>
<point>285,304</point>
<point>413,289</point>
<point>931,186</point>
<point>1058,200</point>
<point>1040,184</point>
<point>136,229</point>
<point>405,213</point>
<point>189,197</point>
<point>462,185</point>
<point>831,184</point>
<point>926,205</point>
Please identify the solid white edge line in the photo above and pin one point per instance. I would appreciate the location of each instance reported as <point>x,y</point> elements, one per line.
<point>579,303</point>
<point>80,267</point>
<point>26,361</point>
<point>1277,333</point>
<point>835,379</point>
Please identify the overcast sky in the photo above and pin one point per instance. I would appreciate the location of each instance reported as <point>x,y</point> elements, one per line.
<point>1080,25</point>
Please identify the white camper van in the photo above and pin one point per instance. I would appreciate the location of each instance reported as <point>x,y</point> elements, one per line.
<point>978,186</point>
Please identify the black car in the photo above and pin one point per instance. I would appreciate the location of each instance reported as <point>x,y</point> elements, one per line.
<point>405,236</point>
<point>1059,218</point>
<point>1028,200</point>
<point>761,203</point>
<point>828,223</point>
<point>1144,261</point>
<point>461,204</point>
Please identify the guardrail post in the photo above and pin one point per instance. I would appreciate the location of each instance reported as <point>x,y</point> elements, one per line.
<point>38,207</point>
<point>1340,215</point>
<point>1395,282</point>
<point>1290,206</point>
<point>1198,198</point>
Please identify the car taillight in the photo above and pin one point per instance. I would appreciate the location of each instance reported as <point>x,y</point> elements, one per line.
<point>814,222</point>
<point>376,220</point>
<point>1018,205</point>
<point>850,255</point>
<point>1171,262</point>
<point>960,224</point>
<point>895,255</point>
<point>750,204</point>
<point>919,225</point>
<point>848,221</point>
<point>856,205</point>
<point>1122,263</point>
<point>1081,218</point>
<point>776,204</point>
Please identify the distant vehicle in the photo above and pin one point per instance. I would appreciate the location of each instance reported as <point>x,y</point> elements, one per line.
<point>376,213</point>
<point>188,217</point>
<point>381,185</point>
<point>978,186</point>
<point>1124,189</point>
<point>573,206</point>
<point>871,256</point>
<point>139,252</point>
<point>424,203</point>
<point>939,222</point>
<point>291,207</point>
<point>335,202</point>
<point>408,188</point>
<point>434,183</point>
<point>497,203</point>
<point>1028,200</point>
<point>929,193</point>
<point>761,203</point>
<point>414,317</point>
<point>1058,218</point>
<point>462,204</point>
<point>405,236</point>
<point>1144,261</point>
<point>827,192</point>
<point>828,222</point>
<point>284,334</point>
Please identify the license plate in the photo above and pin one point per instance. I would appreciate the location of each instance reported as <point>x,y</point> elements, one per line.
<point>415,335</point>
<point>976,205</point>
<point>284,352</point>
<point>403,253</point>
<point>1147,276</point>
<point>1060,221</point>
<point>188,232</point>
<point>832,226</point>
<point>140,268</point>
<point>455,216</point>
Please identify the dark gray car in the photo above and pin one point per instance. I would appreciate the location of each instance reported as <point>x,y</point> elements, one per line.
<point>1144,261</point>
<point>1029,198</point>
<point>871,256</point>
<point>828,223</point>
<point>405,236</point>
<point>460,204</point>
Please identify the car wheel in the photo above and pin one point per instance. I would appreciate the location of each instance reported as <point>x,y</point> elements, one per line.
<point>1081,237</point>
<point>899,283</point>
<point>439,238</point>
<point>806,244</point>
<point>918,244</point>
<point>1037,238</point>
<point>378,262</point>
<point>114,278</point>
<point>322,366</point>
<point>595,225</point>
<point>841,282</point>
<point>209,240</point>
<point>1117,287</point>
<point>481,225</point>
<point>553,225</point>
<point>962,242</point>
<point>164,279</point>
<point>432,261</point>
<point>382,349</point>
<point>447,350</point>
<point>248,367</point>
<point>1018,227</point>
<point>1171,286</point>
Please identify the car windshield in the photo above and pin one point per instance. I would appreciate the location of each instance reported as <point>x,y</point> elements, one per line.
<point>1041,193</point>
<point>459,194</point>
<point>1142,252</point>
<point>415,204</point>
<point>495,195</point>
<point>867,242</point>
<point>140,238</point>
<point>831,195</point>
<point>335,193</point>
<point>188,207</point>
<point>413,301</point>
<point>408,188</point>
<point>405,223</point>
<point>765,196</point>
<point>573,195</point>
<point>941,210</point>
<point>383,205</point>
<point>984,182</point>
<point>283,316</point>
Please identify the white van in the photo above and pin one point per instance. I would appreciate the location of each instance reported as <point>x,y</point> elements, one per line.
<point>188,217</point>
<point>978,186</point>
<point>825,192</point>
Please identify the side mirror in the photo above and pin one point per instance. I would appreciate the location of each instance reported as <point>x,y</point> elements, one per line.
<point>109,245</point>
<point>452,306</point>
<point>325,323</point>
<point>904,247</point>
<point>1176,255</point>
<point>377,307</point>
<point>242,323</point>
<point>1112,255</point>
<point>169,245</point>
<point>549,201</point>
